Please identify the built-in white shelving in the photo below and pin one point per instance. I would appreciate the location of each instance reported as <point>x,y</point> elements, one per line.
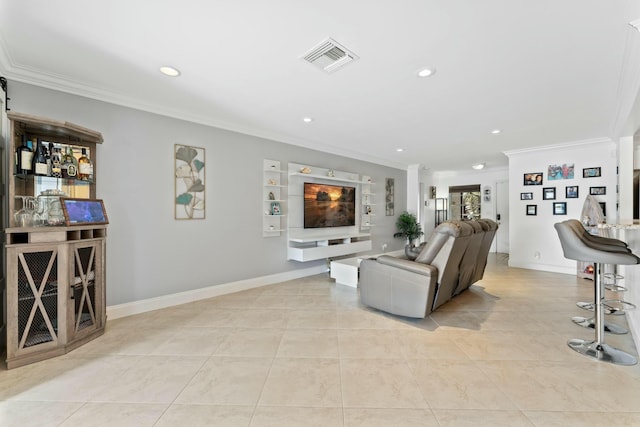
<point>314,244</point>
<point>274,202</point>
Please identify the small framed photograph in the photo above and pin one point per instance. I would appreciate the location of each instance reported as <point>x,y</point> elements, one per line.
<point>591,172</point>
<point>533,178</point>
<point>597,191</point>
<point>571,192</point>
<point>526,196</point>
<point>275,208</point>
<point>603,206</point>
<point>532,209</point>
<point>560,208</point>
<point>549,193</point>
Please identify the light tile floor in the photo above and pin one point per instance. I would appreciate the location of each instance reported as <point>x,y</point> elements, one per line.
<point>307,353</point>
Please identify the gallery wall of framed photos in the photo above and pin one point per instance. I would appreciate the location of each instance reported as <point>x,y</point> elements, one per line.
<point>559,185</point>
<point>549,184</point>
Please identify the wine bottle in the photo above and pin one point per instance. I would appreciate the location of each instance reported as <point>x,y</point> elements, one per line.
<point>24,156</point>
<point>85,167</point>
<point>69,165</point>
<point>40,160</point>
<point>56,162</point>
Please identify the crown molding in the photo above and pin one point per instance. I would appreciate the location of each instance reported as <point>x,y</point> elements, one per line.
<point>560,146</point>
<point>63,84</point>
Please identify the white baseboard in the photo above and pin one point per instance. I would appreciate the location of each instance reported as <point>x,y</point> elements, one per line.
<point>542,267</point>
<point>164,301</point>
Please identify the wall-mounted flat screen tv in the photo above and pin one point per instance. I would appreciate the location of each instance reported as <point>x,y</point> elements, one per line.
<point>329,205</point>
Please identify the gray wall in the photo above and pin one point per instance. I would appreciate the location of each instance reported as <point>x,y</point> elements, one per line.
<point>149,253</point>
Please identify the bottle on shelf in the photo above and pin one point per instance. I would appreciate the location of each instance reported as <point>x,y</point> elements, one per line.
<point>69,165</point>
<point>40,166</point>
<point>24,157</point>
<point>56,161</point>
<point>85,167</point>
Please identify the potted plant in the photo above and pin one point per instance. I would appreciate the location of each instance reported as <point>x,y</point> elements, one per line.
<point>410,229</point>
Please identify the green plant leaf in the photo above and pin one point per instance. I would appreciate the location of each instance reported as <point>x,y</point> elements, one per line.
<point>408,227</point>
<point>196,187</point>
<point>186,154</point>
<point>198,164</point>
<point>184,199</point>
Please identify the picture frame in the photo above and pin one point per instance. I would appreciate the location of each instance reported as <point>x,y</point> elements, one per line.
<point>83,211</point>
<point>189,182</point>
<point>597,191</point>
<point>592,172</point>
<point>275,208</point>
<point>549,193</point>
<point>603,206</point>
<point>563,171</point>
<point>571,191</point>
<point>526,196</point>
<point>532,210</point>
<point>532,178</point>
<point>560,208</point>
<point>389,196</point>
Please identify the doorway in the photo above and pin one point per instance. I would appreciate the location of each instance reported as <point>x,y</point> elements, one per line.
<point>501,242</point>
<point>464,202</point>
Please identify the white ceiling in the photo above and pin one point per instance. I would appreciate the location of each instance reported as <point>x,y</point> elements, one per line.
<point>543,71</point>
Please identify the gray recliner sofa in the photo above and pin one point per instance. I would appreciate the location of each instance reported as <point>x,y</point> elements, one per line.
<point>453,258</point>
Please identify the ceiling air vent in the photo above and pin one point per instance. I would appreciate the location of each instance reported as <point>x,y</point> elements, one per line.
<point>329,56</point>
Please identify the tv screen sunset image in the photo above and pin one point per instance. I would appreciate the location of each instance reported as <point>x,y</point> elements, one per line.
<point>329,205</point>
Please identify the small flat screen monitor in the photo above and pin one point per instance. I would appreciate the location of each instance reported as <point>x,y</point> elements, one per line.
<point>83,211</point>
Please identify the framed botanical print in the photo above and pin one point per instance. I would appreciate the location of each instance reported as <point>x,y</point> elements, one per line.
<point>189,174</point>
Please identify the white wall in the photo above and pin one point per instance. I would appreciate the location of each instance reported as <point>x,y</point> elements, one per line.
<point>533,240</point>
<point>149,254</point>
<point>443,180</point>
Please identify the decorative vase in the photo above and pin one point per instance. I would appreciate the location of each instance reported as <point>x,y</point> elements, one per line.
<point>412,251</point>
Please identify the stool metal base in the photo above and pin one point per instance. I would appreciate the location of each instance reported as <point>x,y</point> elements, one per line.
<point>589,306</point>
<point>612,328</point>
<point>615,288</point>
<point>602,352</point>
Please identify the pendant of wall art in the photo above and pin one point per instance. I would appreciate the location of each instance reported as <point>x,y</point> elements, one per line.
<point>189,182</point>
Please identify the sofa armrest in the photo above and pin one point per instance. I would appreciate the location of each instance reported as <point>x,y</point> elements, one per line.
<point>412,266</point>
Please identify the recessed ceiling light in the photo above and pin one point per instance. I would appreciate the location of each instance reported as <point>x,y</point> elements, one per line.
<point>496,131</point>
<point>169,71</point>
<point>399,150</point>
<point>426,72</point>
<point>307,119</point>
<point>478,166</point>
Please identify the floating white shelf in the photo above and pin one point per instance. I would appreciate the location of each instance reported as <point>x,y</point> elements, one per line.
<point>329,178</point>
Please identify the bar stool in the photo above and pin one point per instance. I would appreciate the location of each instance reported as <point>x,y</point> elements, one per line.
<point>575,248</point>
<point>609,245</point>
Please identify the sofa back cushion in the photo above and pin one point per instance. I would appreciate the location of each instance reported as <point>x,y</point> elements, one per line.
<point>448,259</point>
<point>469,261</point>
<point>487,239</point>
<point>440,236</point>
